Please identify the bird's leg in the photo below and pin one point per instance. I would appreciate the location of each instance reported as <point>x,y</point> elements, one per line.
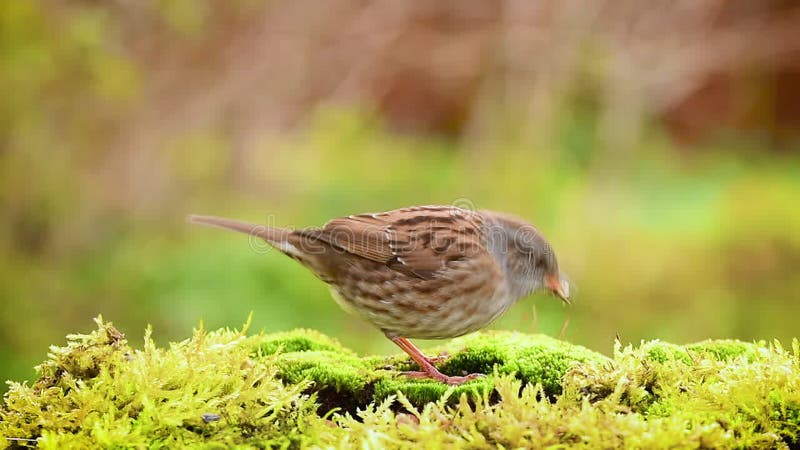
<point>428,369</point>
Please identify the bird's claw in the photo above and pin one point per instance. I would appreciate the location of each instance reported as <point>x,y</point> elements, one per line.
<point>434,360</point>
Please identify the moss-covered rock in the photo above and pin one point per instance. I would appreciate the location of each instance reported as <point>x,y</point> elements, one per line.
<point>302,389</point>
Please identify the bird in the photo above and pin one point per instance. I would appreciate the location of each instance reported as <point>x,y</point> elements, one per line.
<point>424,272</point>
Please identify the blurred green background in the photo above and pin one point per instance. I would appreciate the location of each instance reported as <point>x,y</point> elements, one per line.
<point>654,143</point>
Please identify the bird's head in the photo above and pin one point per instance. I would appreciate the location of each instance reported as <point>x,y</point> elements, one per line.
<point>528,259</point>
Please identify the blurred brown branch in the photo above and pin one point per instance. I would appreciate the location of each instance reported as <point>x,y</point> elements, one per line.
<point>244,70</point>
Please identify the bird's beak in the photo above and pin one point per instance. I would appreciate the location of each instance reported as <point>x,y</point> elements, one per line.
<point>558,285</point>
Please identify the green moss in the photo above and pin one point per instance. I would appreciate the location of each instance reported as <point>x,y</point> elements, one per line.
<point>348,382</point>
<point>302,389</point>
<point>665,353</point>
<point>297,341</point>
<point>725,349</point>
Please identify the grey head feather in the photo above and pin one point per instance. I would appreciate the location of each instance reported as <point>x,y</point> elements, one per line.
<point>523,253</point>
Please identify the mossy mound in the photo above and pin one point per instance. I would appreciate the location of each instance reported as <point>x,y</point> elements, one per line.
<point>343,380</point>
<point>302,389</point>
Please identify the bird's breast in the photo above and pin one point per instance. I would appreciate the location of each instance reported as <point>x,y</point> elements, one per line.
<point>452,304</point>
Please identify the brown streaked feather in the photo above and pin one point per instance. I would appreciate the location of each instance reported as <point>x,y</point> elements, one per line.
<point>361,235</point>
<point>418,240</point>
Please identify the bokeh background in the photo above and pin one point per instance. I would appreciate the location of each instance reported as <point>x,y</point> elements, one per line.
<point>654,143</point>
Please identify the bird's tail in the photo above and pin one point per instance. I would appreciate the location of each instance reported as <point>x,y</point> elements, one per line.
<point>273,235</point>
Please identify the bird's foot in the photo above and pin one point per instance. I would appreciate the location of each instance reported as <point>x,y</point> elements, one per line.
<point>434,360</point>
<point>427,364</point>
<point>442,378</point>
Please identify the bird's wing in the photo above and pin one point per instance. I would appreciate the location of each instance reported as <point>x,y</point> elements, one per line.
<point>418,240</point>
